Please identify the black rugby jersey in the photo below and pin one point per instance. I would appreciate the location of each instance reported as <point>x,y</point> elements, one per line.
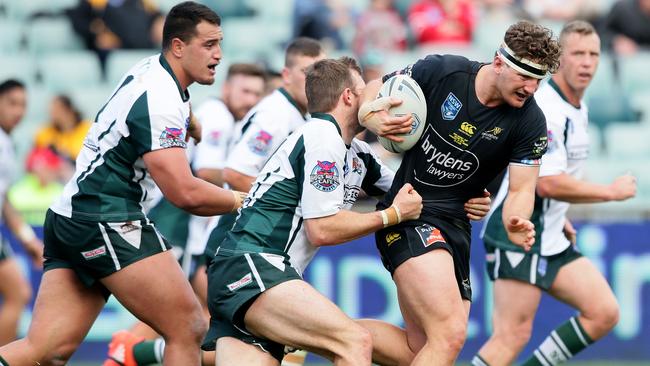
<point>464,144</point>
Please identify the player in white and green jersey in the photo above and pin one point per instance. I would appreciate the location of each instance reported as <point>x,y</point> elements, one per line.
<point>15,290</point>
<point>98,240</point>
<point>554,264</point>
<point>266,126</point>
<point>253,286</point>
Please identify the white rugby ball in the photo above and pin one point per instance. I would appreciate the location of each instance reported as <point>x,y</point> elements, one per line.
<point>413,101</point>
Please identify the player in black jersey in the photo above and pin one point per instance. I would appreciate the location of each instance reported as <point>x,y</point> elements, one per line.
<point>481,119</point>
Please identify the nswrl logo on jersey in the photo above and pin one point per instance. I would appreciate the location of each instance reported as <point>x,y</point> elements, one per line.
<point>325,176</point>
<point>450,107</point>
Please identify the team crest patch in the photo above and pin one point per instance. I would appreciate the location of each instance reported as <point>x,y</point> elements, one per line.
<point>552,142</point>
<point>213,138</point>
<point>450,107</point>
<point>325,176</point>
<point>260,143</point>
<point>429,235</point>
<point>172,137</point>
<point>92,254</point>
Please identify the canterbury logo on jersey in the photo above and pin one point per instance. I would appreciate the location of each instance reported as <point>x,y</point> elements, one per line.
<point>467,128</point>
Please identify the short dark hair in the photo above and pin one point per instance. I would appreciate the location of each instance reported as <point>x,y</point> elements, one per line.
<point>326,80</point>
<point>534,42</point>
<point>576,26</point>
<point>182,19</point>
<point>9,85</point>
<point>301,46</point>
<point>245,69</point>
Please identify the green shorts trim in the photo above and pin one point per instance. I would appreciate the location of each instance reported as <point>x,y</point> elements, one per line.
<point>94,250</point>
<point>234,282</point>
<point>533,268</point>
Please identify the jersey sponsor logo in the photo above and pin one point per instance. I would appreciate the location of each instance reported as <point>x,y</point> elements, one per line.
<point>392,237</point>
<point>172,137</point>
<point>92,254</point>
<point>493,134</point>
<point>429,235</point>
<point>450,107</point>
<point>325,176</point>
<point>356,166</point>
<point>539,146</point>
<point>467,128</point>
<point>444,164</point>
<point>248,278</point>
<point>458,139</point>
<point>260,143</point>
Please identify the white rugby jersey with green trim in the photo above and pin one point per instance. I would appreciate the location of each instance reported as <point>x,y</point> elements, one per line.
<point>264,128</point>
<point>148,111</point>
<point>568,149</point>
<point>313,174</point>
<point>7,167</point>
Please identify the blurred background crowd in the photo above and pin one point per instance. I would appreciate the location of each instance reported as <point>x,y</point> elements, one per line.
<point>71,53</point>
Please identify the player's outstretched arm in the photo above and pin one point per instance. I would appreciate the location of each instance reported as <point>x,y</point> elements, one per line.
<point>238,181</point>
<point>564,187</point>
<point>348,225</point>
<point>477,208</point>
<point>519,205</point>
<point>170,170</point>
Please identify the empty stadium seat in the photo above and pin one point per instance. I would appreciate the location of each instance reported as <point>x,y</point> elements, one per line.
<point>52,35</point>
<point>120,61</point>
<point>90,100</point>
<point>628,142</point>
<point>11,40</point>
<point>22,9</point>
<point>18,66</point>
<point>64,71</point>
<point>634,72</point>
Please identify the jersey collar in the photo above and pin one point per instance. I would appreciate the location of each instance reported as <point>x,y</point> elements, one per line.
<point>556,87</point>
<point>328,117</point>
<point>185,95</point>
<point>291,100</point>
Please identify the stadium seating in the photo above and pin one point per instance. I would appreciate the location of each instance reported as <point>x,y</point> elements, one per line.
<point>22,9</point>
<point>11,36</point>
<point>120,61</point>
<point>634,72</point>
<point>19,66</point>
<point>628,141</point>
<point>64,71</point>
<point>52,35</point>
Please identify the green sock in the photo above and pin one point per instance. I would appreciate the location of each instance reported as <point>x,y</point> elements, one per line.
<point>3,362</point>
<point>563,343</point>
<point>149,352</point>
<point>479,361</point>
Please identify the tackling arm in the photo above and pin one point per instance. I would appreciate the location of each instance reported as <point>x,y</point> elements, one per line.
<point>519,204</point>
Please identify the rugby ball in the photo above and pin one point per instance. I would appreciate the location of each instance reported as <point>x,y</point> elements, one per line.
<point>413,101</point>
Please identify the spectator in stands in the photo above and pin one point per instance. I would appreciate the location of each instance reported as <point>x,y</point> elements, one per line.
<point>321,20</point>
<point>64,133</point>
<point>442,21</point>
<point>15,291</point>
<point>106,25</point>
<point>629,26</point>
<point>36,190</point>
<point>379,28</point>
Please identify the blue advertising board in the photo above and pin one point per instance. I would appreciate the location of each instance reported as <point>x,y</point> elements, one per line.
<point>352,275</point>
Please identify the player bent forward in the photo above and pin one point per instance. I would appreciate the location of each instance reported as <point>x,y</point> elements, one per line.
<point>257,300</point>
